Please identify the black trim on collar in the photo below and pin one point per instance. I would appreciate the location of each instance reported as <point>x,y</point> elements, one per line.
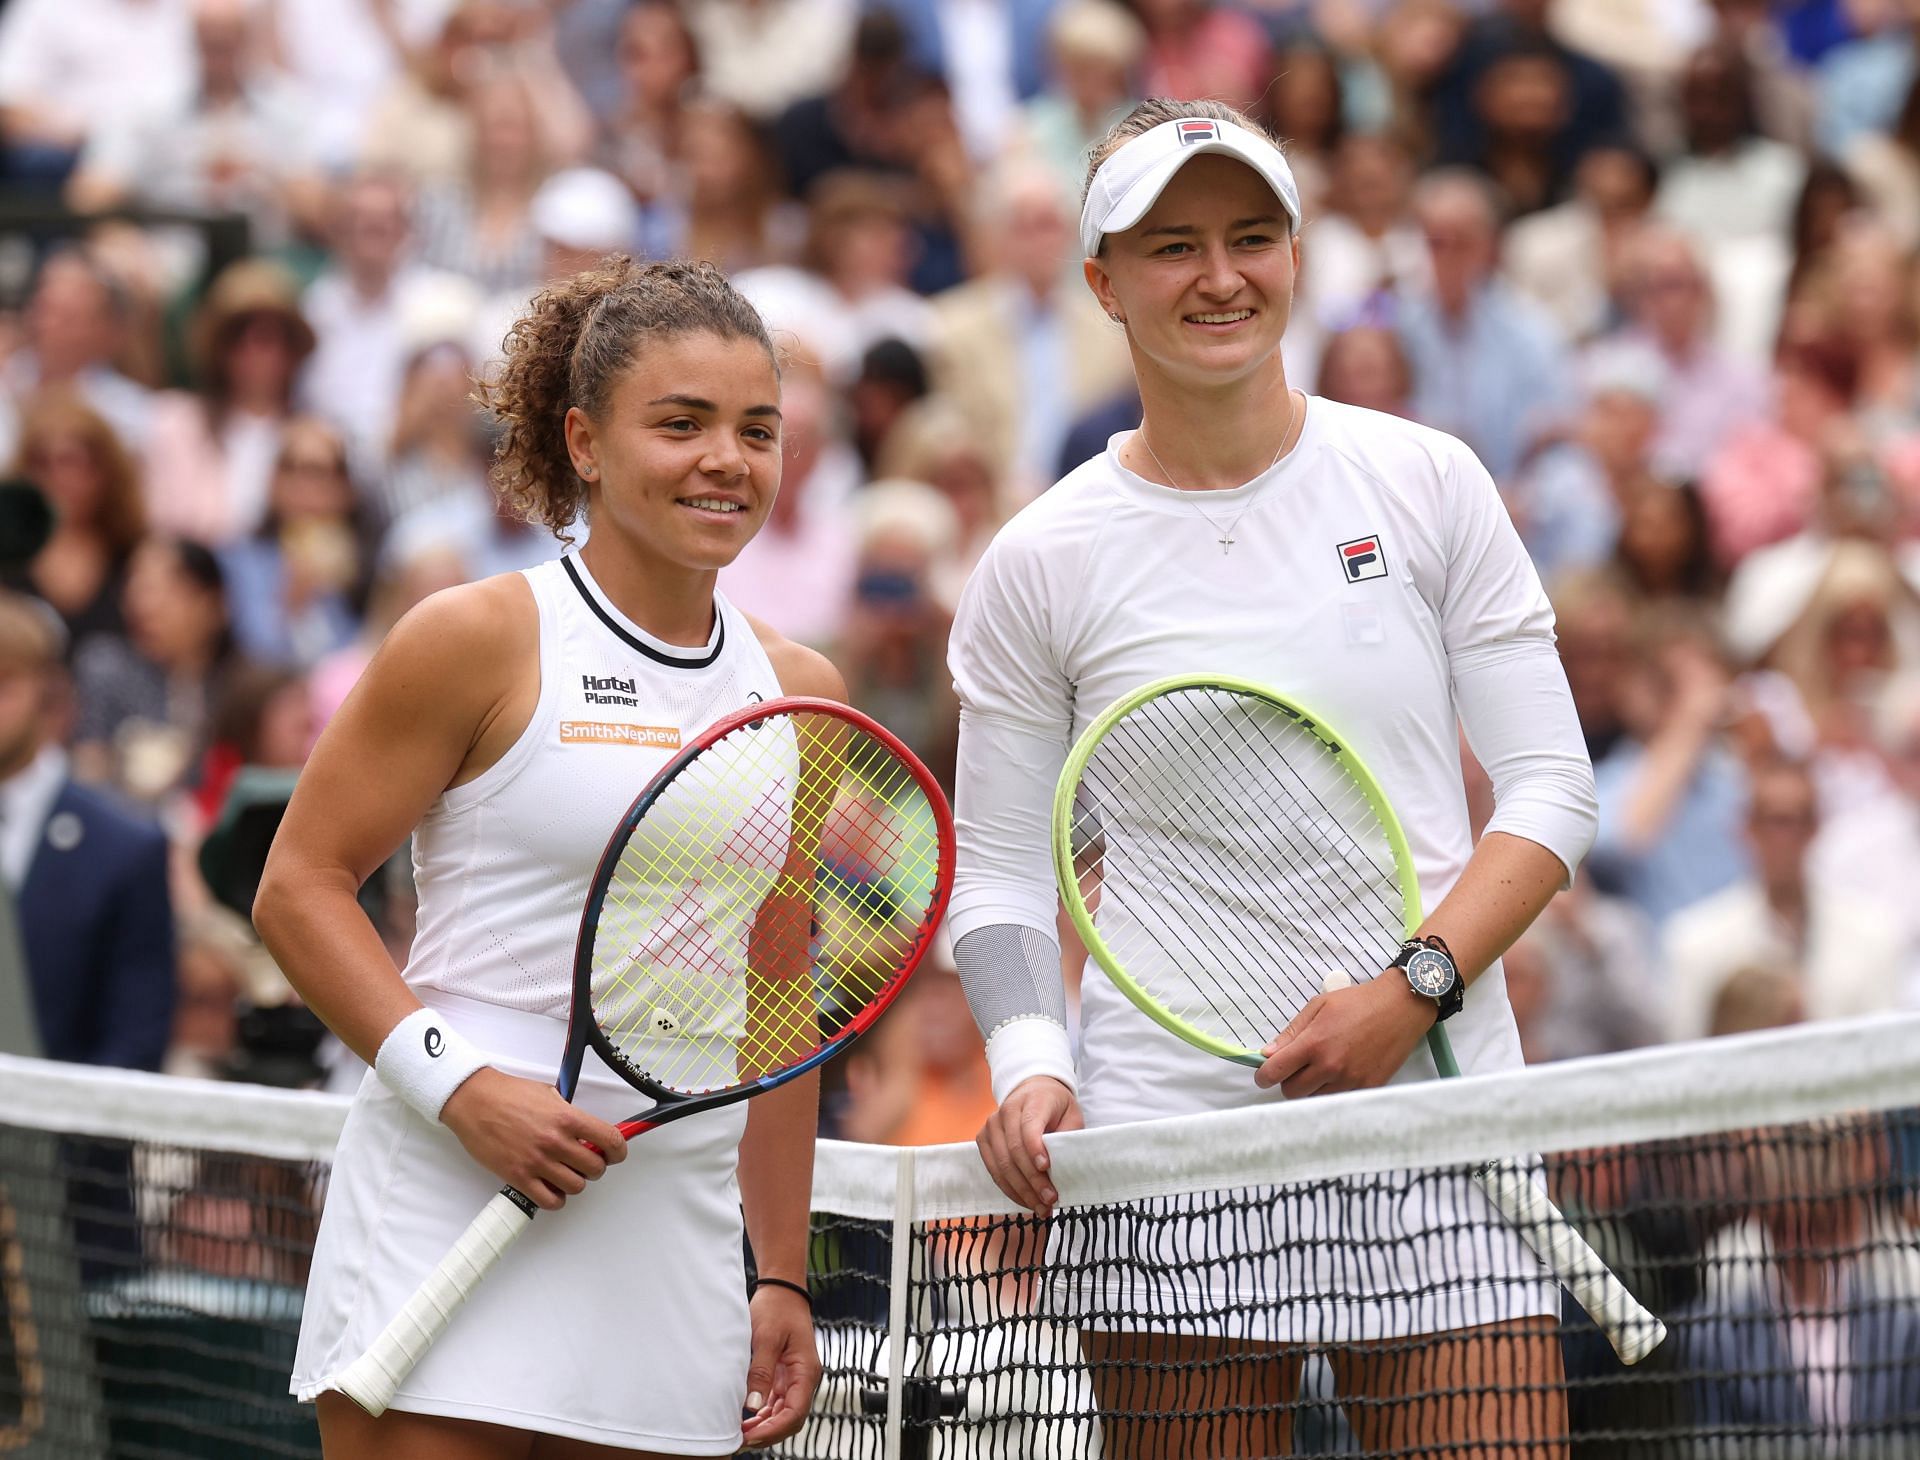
<point>670,660</point>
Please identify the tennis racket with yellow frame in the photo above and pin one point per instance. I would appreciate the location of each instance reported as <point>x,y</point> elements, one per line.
<point>1225,856</point>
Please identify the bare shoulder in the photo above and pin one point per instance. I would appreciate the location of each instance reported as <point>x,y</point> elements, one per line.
<point>801,671</point>
<point>467,635</point>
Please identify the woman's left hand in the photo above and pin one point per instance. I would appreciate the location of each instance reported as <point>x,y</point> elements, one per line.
<point>785,1369</point>
<point>1350,1039</point>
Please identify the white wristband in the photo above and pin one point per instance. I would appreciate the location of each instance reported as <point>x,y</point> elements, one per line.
<point>1022,1048</point>
<point>423,1061</point>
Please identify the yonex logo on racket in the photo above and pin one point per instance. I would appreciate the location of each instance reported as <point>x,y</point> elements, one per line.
<point>1362,558</point>
<point>1198,131</point>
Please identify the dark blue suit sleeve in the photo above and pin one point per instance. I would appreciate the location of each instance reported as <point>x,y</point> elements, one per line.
<point>134,1017</point>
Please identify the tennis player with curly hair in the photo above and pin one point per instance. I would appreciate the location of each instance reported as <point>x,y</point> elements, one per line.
<point>505,725</point>
<point>1365,566</point>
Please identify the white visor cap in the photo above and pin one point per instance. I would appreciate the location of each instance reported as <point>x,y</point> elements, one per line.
<point>1129,183</point>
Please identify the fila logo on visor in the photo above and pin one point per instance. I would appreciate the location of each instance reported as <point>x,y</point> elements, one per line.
<point>1192,132</point>
<point>1362,559</point>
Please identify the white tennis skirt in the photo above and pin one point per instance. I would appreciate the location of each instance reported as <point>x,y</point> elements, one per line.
<point>620,1319</point>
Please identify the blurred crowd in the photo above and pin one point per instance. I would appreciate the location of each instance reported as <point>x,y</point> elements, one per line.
<point>1656,261</point>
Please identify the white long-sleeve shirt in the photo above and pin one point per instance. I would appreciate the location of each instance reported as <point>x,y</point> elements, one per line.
<point>1374,577</point>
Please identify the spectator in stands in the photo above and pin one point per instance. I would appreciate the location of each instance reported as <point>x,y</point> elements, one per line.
<point>480,227</point>
<point>70,69</point>
<point>1665,547</point>
<point>292,584</point>
<point>892,377</point>
<point>798,571</point>
<point>989,59</point>
<point>851,290</point>
<point>1885,166</point>
<point>1414,49</point>
<point>1757,997</point>
<point>735,214</point>
<point>71,454</point>
<point>236,142</point>
<point>1859,294</point>
<point>1809,1326</point>
<point>88,878</point>
<point>1488,366</point>
<point>764,56</point>
<point>1593,614</point>
<point>1601,994</point>
<point>1522,134</point>
<point>1306,104</point>
<point>1569,502</point>
<point>1860,84</point>
<point>644,141</point>
<point>854,121</point>
<point>1022,347</point>
<point>1671,791</point>
<point>1732,188</point>
<point>211,451</point>
<point>1594,105</point>
<point>936,442</point>
<point>1765,482</point>
<point>896,628</point>
<point>1198,48</point>
<point>1366,244</point>
<point>1847,955</point>
<point>1096,46</point>
<point>1873,844</point>
<point>361,309</point>
<point>1365,366</point>
<point>1707,393</point>
<point>1569,258</point>
<point>953,1094</point>
<point>142,702</point>
<point>75,321</point>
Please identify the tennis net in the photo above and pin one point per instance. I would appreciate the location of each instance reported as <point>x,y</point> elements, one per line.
<point>1309,1279</point>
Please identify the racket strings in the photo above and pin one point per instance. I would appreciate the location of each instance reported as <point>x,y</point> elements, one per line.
<point>765,899</point>
<point>1228,996</point>
<point>1240,859</point>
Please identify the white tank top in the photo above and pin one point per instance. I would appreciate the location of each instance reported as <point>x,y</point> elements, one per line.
<point>503,863</point>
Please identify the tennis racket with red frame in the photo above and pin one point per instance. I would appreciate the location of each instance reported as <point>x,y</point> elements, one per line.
<point>760,904</point>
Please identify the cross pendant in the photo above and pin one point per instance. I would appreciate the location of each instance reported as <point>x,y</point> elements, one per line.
<point>1226,545</point>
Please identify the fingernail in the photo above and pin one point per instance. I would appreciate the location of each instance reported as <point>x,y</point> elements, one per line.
<point>756,1402</point>
<point>1268,1049</point>
<point>1041,1162</point>
<point>1051,1196</point>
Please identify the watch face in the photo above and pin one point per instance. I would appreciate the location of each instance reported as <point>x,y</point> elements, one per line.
<point>1431,973</point>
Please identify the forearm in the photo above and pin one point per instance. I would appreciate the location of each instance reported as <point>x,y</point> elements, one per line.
<point>1662,782</point>
<point>321,938</point>
<point>1506,884</point>
<point>776,1176</point>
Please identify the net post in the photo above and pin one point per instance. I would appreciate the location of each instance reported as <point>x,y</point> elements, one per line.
<point>898,1282</point>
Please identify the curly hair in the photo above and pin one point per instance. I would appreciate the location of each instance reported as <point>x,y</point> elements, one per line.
<point>568,349</point>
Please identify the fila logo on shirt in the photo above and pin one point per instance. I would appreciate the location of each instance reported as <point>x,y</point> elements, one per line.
<point>1198,131</point>
<point>1362,559</point>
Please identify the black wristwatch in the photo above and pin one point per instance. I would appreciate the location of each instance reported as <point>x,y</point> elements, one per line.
<point>1431,972</point>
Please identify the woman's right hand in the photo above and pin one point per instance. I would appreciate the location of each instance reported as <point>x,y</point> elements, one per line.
<point>1011,1141</point>
<point>523,1132</point>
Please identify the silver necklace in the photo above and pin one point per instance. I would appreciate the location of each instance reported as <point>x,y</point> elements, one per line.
<point>1226,538</point>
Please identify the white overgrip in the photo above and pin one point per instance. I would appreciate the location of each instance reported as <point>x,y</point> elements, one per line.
<point>372,1380</point>
<point>1630,1328</point>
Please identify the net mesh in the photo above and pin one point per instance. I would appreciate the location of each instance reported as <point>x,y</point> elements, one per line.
<point>1312,1279</point>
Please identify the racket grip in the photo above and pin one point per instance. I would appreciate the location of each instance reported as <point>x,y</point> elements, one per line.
<point>372,1380</point>
<point>1630,1328</point>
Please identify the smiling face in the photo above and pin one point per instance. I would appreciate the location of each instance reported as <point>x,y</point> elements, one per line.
<point>683,457</point>
<point>1205,281</point>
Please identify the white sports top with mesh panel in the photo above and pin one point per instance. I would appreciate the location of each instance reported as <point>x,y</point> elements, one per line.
<point>503,862</point>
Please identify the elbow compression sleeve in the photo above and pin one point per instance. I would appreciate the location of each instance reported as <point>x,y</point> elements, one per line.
<point>1011,974</point>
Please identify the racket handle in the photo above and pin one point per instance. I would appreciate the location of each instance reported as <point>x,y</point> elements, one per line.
<point>1630,1328</point>
<point>372,1380</point>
